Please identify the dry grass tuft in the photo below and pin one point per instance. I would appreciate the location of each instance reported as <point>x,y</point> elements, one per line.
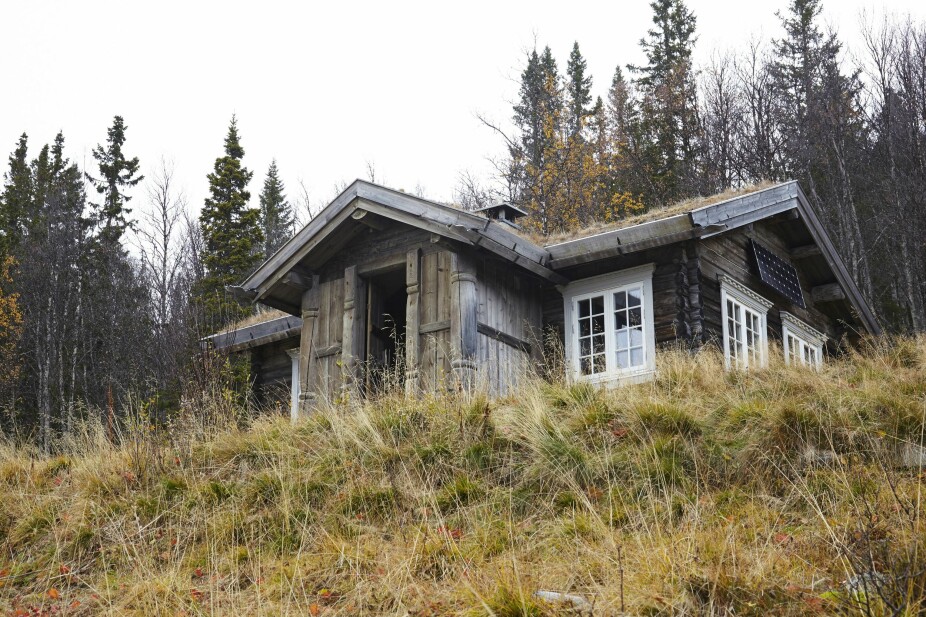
<point>781,491</point>
<point>267,314</point>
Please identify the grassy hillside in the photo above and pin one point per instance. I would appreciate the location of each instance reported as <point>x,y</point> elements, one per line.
<point>705,492</point>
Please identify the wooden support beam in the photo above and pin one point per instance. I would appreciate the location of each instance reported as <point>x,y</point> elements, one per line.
<point>463,325</point>
<point>307,368</point>
<point>805,252</point>
<point>831,292</point>
<point>412,319</point>
<point>434,326</point>
<point>507,339</point>
<point>355,297</point>
<point>370,220</point>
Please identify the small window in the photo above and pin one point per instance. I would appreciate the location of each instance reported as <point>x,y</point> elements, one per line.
<point>802,343</point>
<point>610,333</point>
<point>745,340</point>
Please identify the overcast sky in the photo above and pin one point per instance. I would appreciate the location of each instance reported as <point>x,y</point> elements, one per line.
<point>325,88</point>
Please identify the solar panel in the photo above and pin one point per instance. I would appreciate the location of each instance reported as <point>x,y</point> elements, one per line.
<point>778,274</point>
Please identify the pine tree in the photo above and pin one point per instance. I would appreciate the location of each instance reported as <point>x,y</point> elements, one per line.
<point>231,232</point>
<point>117,173</point>
<point>578,92</point>
<point>276,214</point>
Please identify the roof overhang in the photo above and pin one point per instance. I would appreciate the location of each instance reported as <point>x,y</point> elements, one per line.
<point>462,227</point>
<point>262,333</point>
<point>712,220</point>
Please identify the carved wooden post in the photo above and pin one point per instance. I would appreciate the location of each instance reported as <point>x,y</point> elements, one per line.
<point>463,335</point>
<point>412,318</point>
<point>355,298</point>
<point>307,368</point>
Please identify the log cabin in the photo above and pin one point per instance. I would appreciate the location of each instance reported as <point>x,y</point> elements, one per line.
<point>383,287</point>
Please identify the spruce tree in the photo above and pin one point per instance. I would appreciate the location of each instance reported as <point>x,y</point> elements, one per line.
<point>276,214</point>
<point>117,173</point>
<point>668,107</point>
<point>578,91</point>
<point>231,232</point>
<point>16,200</point>
<point>821,119</point>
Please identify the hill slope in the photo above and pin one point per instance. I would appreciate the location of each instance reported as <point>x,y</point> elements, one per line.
<point>705,492</point>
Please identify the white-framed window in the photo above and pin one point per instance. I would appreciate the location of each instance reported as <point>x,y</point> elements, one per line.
<point>609,325</point>
<point>294,388</point>
<point>802,343</point>
<point>745,329</point>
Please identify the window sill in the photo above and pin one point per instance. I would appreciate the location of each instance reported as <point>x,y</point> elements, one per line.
<point>619,379</point>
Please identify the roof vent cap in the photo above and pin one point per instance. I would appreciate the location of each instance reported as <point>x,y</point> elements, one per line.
<point>502,212</point>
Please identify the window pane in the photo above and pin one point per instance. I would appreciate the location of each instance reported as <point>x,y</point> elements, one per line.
<point>598,324</point>
<point>586,366</point>
<point>598,343</point>
<point>585,346</point>
<point>635,296</point>
<point>598,305</point>
<point>623,359</point>
<point>636,337</point>
<point>584,308</point>
<point>635,316</point>
<point>622,339</point>
<point>620,320</point>
<point>600,363</point>
<point>585,327</point>
<point>620,300</point>
<point>636,356</point>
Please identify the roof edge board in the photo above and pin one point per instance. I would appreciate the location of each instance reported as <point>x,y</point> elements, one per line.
<point>282,256</point>
<point>836,264</point>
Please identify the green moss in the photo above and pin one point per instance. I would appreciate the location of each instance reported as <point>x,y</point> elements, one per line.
<point>460,492</point>
<point>666,419</point>
<point>370,501</point>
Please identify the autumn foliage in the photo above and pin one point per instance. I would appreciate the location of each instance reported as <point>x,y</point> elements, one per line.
<point>11,321</point>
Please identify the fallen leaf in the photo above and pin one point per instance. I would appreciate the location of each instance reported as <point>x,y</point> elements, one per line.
<point>313,609</point>
<point>63,569</point>
<point>74,604</point>
<point>54,594</point>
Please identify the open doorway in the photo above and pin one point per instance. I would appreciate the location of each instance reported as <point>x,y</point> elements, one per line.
<point>385,330</point>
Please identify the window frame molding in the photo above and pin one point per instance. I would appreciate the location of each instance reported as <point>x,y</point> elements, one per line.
<point>606,284</point>
<point>731,289</point>
<point>806,334</point>
<point>294,386</point>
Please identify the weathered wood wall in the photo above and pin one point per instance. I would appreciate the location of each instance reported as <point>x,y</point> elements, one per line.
<point>509,318</point>
<point>434,346</point>
<point>730,254</point>
<point>328,337</point>
<point>271,371</point>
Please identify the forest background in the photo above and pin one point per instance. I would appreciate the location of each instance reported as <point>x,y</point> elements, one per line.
<point>109,277</point>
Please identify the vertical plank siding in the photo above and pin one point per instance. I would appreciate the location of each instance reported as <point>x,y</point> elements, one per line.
<point>509,302</point>
<point>435,352</point>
